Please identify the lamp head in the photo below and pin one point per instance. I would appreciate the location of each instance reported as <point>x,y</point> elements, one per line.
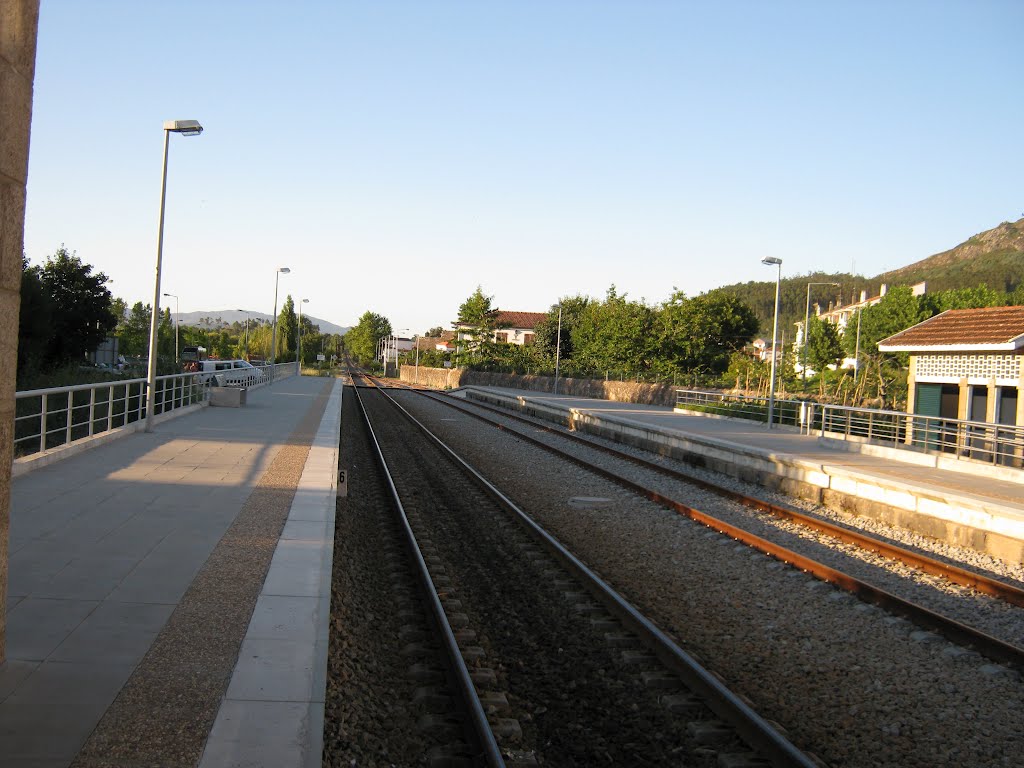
<point>305,301</point>
<point>771,260</point>
<point>184,127</point>
<point>283,270</point>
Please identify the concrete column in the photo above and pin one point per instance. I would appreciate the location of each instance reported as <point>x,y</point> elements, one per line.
<point>911,398</point>
<point>965,399</point>
<point>19,21</point>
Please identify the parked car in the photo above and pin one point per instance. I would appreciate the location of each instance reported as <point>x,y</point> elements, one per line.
<point>230,373</point>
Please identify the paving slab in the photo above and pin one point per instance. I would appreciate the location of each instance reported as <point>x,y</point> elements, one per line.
<point>105,543</point>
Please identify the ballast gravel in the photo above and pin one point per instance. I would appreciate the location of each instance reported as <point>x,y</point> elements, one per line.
<point>847,681</point>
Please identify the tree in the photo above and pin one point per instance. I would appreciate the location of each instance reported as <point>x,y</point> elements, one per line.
<point>133,332</point>
<point>546,338</point>
<point>477,324</point>
<point>287,325</point>
<point>361,340</point>
<point>824,348</point>
<point>81,315</point>
<point>435,332</point>
<point>699,335</point>
<point>962,298</point>
<point>33,321</point>
<point>614,335</point>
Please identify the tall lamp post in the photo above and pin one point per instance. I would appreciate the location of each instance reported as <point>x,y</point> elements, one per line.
<point>176,321</point>
<point>246,332</point>
<point>273,334</point>
<point>298,342</point>
<point>807,321</point>
<point>185,128</point>
<point>773,261</point>
<point>558,347</point>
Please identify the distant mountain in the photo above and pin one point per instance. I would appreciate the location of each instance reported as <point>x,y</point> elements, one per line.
<point>221,317</point>
<point>994,257</point>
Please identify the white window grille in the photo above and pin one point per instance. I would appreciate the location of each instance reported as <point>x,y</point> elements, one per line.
<point>954,367</point>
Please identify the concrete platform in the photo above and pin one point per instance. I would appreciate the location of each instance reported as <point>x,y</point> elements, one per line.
<point>119,554</point>
<point>974,506</point>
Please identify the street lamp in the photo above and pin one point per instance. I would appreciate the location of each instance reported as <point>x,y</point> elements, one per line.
<point>416,338</point>
<point>807,321</point>
<point>246,332</point>
<point>298,343</point>
<point>176,321</point>
<point>273,335</point>
<point>558,347</point>
<point>773,261</point>
<point>185,128</point>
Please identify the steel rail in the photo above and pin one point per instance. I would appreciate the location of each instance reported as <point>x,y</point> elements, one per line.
<point>979,582</point>
<point>481,726</point>
<point>957,632</point>
<point>752,727</point>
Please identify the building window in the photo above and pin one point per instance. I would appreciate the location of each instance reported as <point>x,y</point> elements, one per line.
<point>501,338</point>
<point>528,338</point>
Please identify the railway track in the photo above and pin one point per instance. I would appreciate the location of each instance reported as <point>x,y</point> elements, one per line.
<point>554,667</point>
<point>959,632</point>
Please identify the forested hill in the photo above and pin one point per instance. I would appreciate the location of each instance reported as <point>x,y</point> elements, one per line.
<point>994,258</point>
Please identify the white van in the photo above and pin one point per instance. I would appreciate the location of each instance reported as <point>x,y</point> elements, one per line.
<point>231,373</point>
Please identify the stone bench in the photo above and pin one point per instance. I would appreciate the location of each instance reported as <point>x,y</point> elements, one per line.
<point>227,397</point>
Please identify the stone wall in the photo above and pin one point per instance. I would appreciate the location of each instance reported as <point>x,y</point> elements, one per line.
<point>618,391</point>
<point>19,21</point>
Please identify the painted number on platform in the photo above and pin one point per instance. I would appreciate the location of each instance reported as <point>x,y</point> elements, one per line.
<point>342,482</point>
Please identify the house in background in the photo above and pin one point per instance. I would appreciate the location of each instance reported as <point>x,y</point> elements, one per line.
<point>966,364</point>
<point>844,316</point>
<point>511,327</point>
<point>761,349</point>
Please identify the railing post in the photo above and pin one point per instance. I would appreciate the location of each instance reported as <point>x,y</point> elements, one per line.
<point>42,423</point>
<point>110,407</point>
<point>69,417</point>
<point>92,409</point>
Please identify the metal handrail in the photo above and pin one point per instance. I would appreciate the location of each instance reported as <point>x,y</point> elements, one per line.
<point>997,444</point>
<point>56,416</point>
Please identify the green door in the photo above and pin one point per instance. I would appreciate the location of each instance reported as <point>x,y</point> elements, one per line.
<point>928,402</point>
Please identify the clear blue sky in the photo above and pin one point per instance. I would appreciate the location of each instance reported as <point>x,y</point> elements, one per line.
<point>395,155</point>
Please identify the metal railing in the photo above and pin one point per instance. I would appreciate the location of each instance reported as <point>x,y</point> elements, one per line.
<point>49,418</point>
<point>997,444</point>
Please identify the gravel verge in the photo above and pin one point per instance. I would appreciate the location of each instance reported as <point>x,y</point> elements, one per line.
<point>853,685</point>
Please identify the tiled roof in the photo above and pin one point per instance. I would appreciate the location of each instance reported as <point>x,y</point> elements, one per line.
<point>988,328</point>
<point>519,319</point>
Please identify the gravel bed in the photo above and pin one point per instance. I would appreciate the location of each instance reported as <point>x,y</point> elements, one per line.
<point>370,719</point>
<point>848,682</point>
<point>576,702</point>
<point>990,615</point>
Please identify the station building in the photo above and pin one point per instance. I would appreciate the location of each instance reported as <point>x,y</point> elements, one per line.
<point>966,364</point>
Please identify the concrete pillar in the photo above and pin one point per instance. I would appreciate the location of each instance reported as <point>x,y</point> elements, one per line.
<point>965,399</point>
<point>911,399</point>
<point>19,21</point>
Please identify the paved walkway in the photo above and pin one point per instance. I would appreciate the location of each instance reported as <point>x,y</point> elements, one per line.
<point>114,549</point>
